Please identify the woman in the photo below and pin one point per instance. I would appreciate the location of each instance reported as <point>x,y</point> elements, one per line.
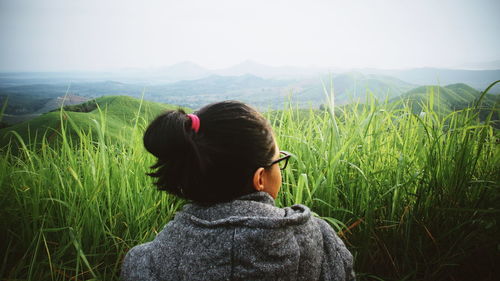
<point>226,161</point>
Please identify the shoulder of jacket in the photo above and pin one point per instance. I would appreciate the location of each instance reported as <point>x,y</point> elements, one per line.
<point>137,262</point>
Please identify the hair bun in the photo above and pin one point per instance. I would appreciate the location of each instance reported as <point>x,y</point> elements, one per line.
<point>166,136</point>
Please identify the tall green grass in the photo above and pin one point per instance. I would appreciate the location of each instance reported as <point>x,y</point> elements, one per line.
<point>413,196</point>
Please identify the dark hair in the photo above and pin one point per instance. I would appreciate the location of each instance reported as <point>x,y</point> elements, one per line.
<point>217,163</point>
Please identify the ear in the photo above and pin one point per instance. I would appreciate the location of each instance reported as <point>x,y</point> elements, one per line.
<point>258,179</point>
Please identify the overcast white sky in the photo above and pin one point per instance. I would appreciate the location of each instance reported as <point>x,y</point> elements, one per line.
<point>56,35</point>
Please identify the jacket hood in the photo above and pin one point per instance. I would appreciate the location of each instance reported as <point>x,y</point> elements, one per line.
<point>244,239</point>
<point>255,210</point>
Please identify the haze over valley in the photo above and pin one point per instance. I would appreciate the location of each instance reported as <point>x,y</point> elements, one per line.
<point>29,94</point>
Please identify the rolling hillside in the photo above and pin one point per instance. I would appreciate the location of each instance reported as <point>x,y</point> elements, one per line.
<point>28,99</point>
<point>118,114</point>
<point>450,98</point>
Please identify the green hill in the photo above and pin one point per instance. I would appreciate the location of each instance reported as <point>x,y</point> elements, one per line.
<point>116,116</point>
<point>446,99</point>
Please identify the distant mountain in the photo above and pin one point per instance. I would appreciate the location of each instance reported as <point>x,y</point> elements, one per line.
<point>478,79</point>
<point>266,71</point>
<point>183,71</point>
<point>353,86</point>
<point>120,113</point>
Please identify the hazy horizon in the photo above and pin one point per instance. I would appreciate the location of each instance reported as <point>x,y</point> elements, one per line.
<point>486,65</point>
<point>58,35</point>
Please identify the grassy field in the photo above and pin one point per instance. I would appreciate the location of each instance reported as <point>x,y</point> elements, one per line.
<point>414,196</point>
<point>114,114</point>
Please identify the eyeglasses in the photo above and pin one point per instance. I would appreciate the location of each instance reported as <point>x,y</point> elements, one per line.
<point>283,160</point>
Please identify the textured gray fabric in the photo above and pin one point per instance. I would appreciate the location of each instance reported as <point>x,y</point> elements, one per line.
<point>245,239</point>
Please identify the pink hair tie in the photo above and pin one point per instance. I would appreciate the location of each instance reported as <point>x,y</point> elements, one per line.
<point>195,122</point>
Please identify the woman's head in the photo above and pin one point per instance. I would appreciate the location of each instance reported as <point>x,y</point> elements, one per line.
<point>220,161</point>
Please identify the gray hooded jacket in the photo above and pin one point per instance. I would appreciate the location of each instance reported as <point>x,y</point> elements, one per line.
<point>244,239</point>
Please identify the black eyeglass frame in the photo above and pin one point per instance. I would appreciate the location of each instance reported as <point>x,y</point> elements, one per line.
<point>286,156</point>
